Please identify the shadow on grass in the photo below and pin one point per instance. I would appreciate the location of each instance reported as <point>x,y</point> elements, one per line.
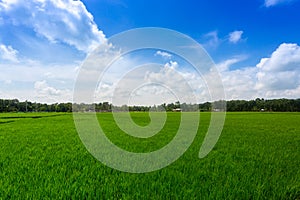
<point>7,122</point>
<point>29,117</point>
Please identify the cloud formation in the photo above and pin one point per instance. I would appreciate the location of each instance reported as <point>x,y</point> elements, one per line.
<point>44,92</point>
<point>277,76</point>
<point>22,80</point>
<point>212,39</point>
<point>235,36</point>
<point>240,83</point>
<point>65,21</point>
<point>270,3</point>
<point>68,22</point>
<point>42,88</point>
<point>49,40</point>
<point>281,71</point>
<point>172,65</point>
<point>8,53</point>
<point>224,66</point>
<point>163,54</point>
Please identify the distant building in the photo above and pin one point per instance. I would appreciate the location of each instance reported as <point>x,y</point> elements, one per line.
<point>177,110</point>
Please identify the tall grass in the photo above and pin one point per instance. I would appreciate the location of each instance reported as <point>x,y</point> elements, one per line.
<point>256,157</point>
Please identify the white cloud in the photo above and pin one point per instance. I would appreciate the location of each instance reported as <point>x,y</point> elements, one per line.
<point>269,3</point>
<point>151,84</point>
<point>172,65</point>
<point>58,32</point>
<point>163,54</point>
<point>46,93</point>
<point>224,66</point>
<point>240,83</point>
<point>42,88</point>
<point>235,36</point>
<point>7,4</point>
<point>64,21</point>
<point>275,77</point>
<point>69,22</point>
<point>22,80</point>
<point>8,53</point>
<point>281,71</point>
<point>171,84</point>
<point>212,39</point>
<point>32,71</point>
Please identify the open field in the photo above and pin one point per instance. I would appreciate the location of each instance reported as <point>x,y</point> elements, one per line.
<point>256,157</point>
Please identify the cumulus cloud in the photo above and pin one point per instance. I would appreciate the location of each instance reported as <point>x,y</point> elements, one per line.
<point>277,76</point>
<point>41,30</point>
<point>146,85</point>
<point>22,80</point>
<point>163,54</point>
<point>65,21</point>
<point>171,83</point>
<point>240,83</point>
<point>8,53</point>
<point>42,88</point>
<point>46,93</point>
<point>281,71</point>
<point>235,36</point>
<point>152,84</point>
<point>172,65</point>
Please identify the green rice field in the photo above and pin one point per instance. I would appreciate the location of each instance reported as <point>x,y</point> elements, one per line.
<point>256,157</point>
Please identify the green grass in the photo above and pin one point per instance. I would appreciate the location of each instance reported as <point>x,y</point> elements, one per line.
<point>256,157</point>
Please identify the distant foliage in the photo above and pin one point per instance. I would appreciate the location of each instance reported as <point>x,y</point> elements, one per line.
<point>14,105</point>
<point>275,105</point>
<point>272,105</point>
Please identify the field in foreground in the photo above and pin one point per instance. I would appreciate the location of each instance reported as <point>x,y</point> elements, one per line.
<point>256,157</point>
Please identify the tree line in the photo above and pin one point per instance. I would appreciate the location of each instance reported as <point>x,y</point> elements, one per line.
<point>14,105</point>
<point>272,105</point>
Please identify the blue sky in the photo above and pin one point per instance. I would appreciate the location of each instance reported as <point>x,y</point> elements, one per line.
<point>254,43</point>
<point>264,27</point>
